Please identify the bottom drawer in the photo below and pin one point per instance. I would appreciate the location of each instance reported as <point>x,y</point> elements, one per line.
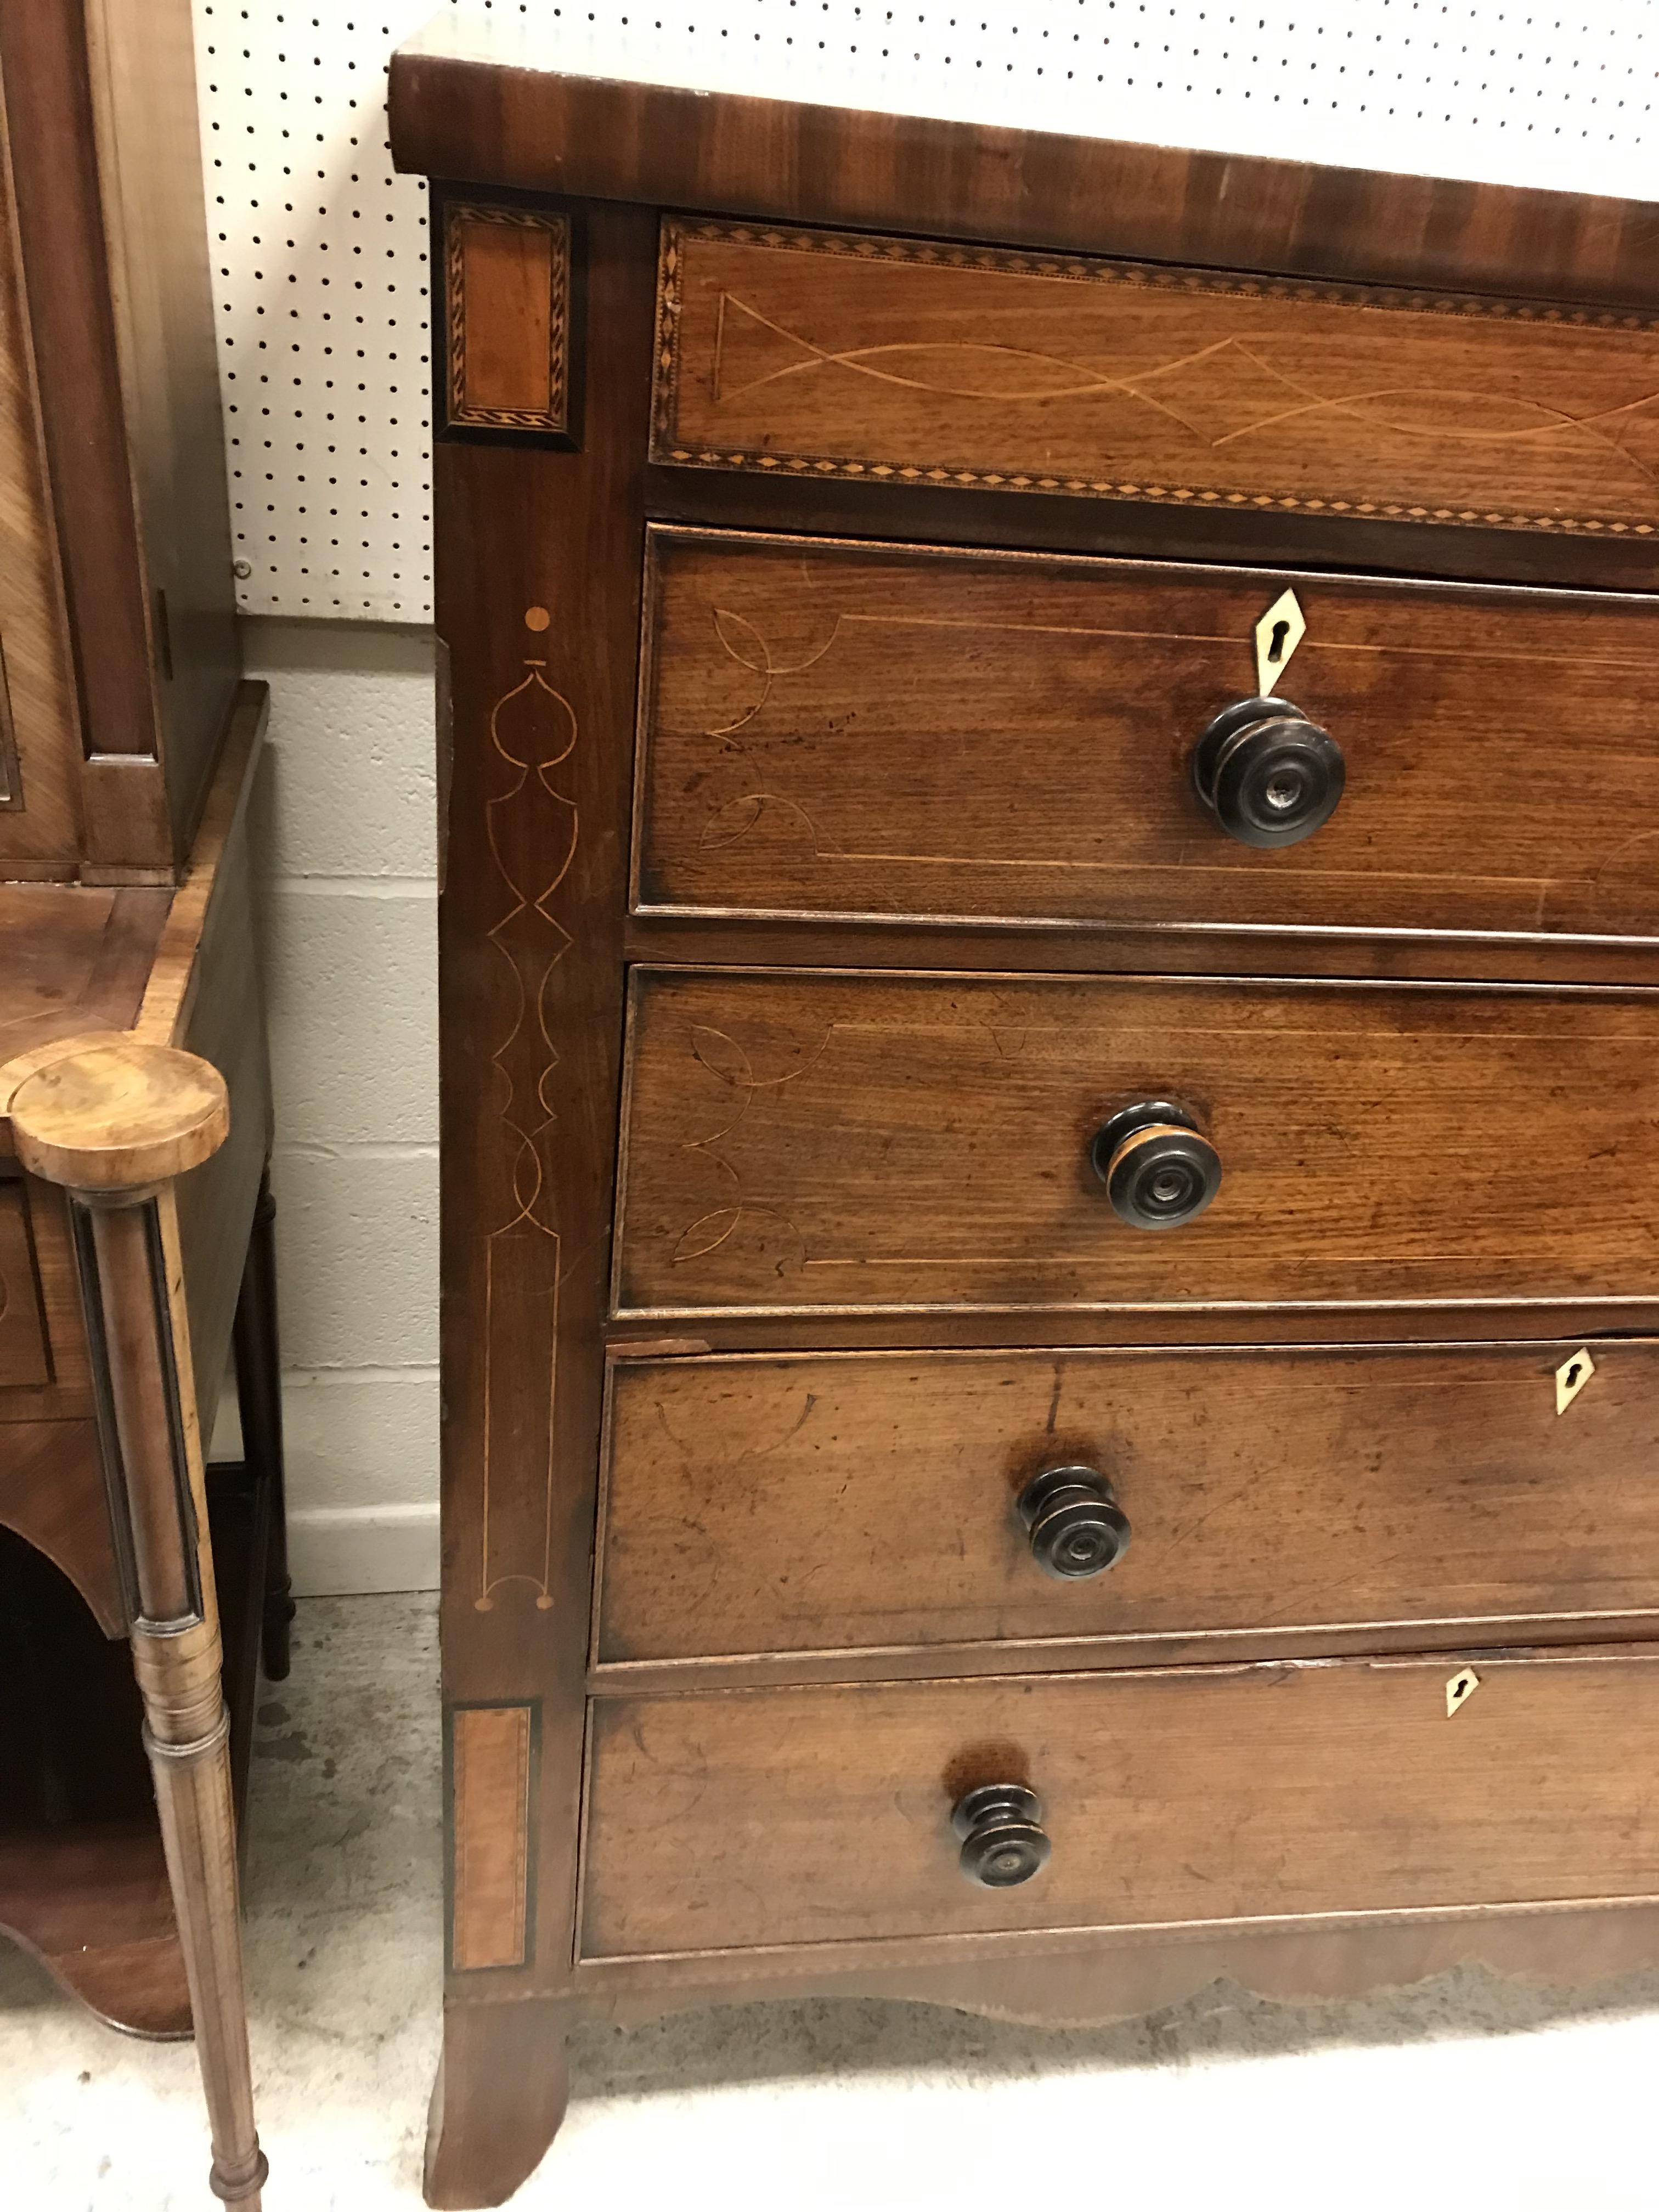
<point>744,1818</point>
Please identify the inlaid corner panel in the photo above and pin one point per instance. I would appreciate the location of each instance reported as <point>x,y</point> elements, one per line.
<point>510,320</point>
<point>860,1141</point>
<point>817,353</point>
<point>847,729</point>
<point>491,1755</point>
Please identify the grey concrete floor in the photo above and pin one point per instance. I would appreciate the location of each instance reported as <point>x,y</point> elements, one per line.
<point>1463,2093</point>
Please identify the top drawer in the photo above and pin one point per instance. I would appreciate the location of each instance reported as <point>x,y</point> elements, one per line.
<point>816,353</point>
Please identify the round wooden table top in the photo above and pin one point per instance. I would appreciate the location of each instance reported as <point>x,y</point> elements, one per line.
<point>112,1114</point>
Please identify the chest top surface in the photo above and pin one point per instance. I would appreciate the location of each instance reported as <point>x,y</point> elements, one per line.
<point>485,103</point>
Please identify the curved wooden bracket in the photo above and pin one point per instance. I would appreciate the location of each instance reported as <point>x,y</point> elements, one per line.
<point>52,1495</point>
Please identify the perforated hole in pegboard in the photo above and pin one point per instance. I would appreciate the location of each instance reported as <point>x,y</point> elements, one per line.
<point>320,252</point>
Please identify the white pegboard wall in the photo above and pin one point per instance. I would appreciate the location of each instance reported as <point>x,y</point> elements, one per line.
<point>320,253</point>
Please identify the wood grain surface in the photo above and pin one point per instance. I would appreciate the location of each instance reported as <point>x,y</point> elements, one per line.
<point>811,1142</point>
<point>117,1113</point>
<point>497,2102</point>
<point>663,937</point>
<point>206,994</point>
<point>40,820</point>
<point>114,250</point>
<point>141,66</point>
<point>65,233</point>
<point>868,1502</point>
<point>90,1900</point>
<point>78,959</point>
<point>1071,1977</point>
<point>746,1818</point>
<point>833,729</point>
<point>116,606</point>
<point>23,1331</point>
<point>67,1395</point>
<point>820,352</point>
<point>52,1494</point>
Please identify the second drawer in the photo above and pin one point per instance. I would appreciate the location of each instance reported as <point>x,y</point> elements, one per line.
<point>823,1142</point>
<point>872,1502</point>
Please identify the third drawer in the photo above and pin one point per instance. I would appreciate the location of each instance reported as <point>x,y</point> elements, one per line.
<point>1246,1500</point>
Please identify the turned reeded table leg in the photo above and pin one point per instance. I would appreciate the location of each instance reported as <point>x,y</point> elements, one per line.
<point>115,1123</point>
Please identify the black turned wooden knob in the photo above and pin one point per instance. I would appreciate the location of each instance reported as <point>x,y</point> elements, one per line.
<point>1268,775</point>
<point>1002,1844</point>
<point>1159,1170</point>
<point>1075,1526</point>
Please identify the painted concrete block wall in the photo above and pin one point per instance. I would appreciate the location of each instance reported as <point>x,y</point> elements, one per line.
<point>348,904</point>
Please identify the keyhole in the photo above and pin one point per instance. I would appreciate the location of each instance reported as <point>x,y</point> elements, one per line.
<point>1459,1688</point>
<point>1573,1372</point>
<point>1281,631</point>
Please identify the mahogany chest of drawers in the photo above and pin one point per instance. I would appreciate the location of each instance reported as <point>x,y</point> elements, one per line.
<point>1049,944</point>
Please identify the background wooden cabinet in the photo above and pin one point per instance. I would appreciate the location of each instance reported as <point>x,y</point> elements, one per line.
<point>116,593</point>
